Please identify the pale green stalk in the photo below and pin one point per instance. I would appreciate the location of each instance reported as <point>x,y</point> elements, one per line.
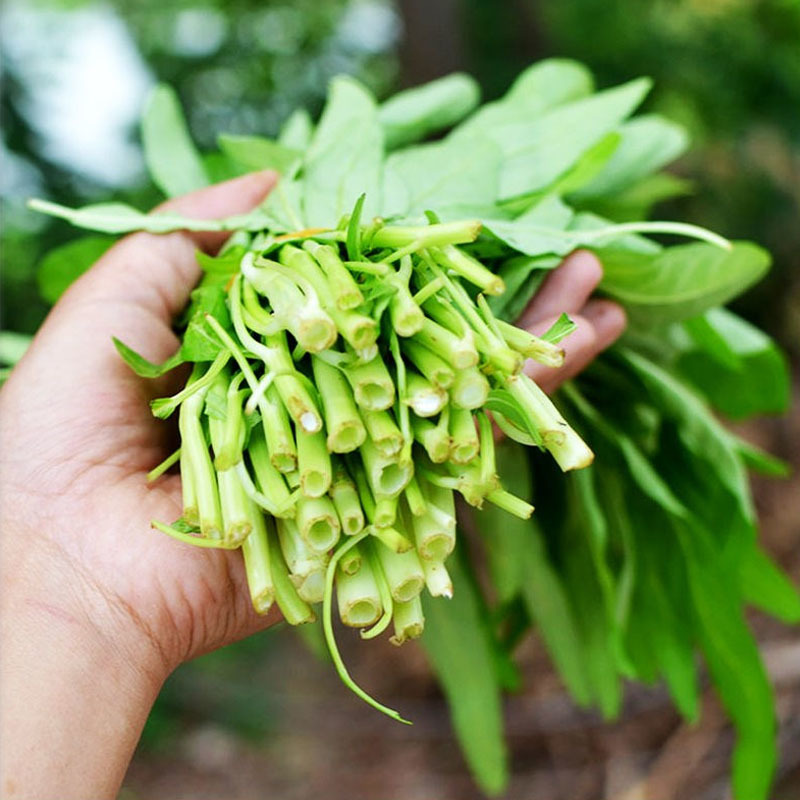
<point>314,464</point>
<point>346,501</point>
<point>470,389</point>
<point>233,435</point>
<point>278,431</point>
<point>403,573</point>
<point>372,384</point>
<point>255,550</point>
<point>435,438</point>
<point>195,454</point>
<point>330,639</point>
<point>414,498</point>
<point>294,609</point>
<point>563,443</point>
<point>464,441</point>
<point>459,351</point>
<point>469,268</point>
<point>409,621</point>
<point>300,312</point>
<point>277,359</point>
<point>318,522</point>
<point>346,431</point>
<point>383,432</point>
<point>439,235</point>
<point>385,510</point>
<point>437,579</point>
<point>531,346</point>
<point>234,502</point>
<point>270,481</point>
<point>358,597</point>
<point>423,397</point>
<point>406,316</point>
<point>346,293</point>
<point>432,366</point>
<point>357,329</point>
<point>385,476</point>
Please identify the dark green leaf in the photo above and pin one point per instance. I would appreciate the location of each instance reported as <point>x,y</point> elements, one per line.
<point>681,281</point>
<point>171,157</point>
<point>460,653</point>
<point>64,264</point>
<point>739,369</point>
<point>765,586</point>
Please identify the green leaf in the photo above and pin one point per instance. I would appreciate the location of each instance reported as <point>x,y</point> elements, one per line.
<point>519,565</point>
<point>681,281</point>
<point>219,268</point>
<point>461,655</point>
<point>759,461</point>
<point>345,156</point>
<point>523,275</point>
<point>765,586</point>
<point>544,85</point>
<point>253,153</point>
<point>122,218</point>
<point>636,201</point>
<point>737,367</point>
<point>540,149</point>
<point>511,417</point>
<point>200,343</point>
<point>458,173</point>
<point>64,264</point>
<point>413,114</point>
<point>646,144</point>
<point>540,230</point>
<point>735,666</point>
<point>141,366</point>
<point>171,157</point>
<point>560,329</point>
<point>296,132</point>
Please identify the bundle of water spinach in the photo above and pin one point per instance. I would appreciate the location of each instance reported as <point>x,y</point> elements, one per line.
<point>354,340</point>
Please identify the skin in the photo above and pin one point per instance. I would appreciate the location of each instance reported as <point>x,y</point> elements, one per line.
<point>96,608</point>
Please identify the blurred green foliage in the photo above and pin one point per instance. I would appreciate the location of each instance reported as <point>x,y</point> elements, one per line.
<point>729,70</point>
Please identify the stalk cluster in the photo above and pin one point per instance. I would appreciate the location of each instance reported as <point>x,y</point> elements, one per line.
<point>346,407</point>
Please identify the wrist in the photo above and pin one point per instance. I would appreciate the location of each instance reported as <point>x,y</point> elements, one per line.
<point>67,679</point>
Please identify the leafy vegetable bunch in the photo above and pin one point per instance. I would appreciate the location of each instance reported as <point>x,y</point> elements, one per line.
<point>353,337</point>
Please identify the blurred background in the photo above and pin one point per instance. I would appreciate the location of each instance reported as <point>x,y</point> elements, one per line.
<point>268,717</point>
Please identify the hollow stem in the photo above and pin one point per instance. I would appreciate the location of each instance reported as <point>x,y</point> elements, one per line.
<point>346,431</point>
<point>318,522</point>
<point>346,501</point>
<point>409,621</point>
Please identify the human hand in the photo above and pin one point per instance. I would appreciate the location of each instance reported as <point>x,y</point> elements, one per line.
<point>568,289</point>
<point>97,608</point>
<point>89,591</point>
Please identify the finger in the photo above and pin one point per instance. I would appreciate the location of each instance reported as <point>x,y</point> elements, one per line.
<point>600,324</point>
<point>566,289</point>
<point>158,271</point>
